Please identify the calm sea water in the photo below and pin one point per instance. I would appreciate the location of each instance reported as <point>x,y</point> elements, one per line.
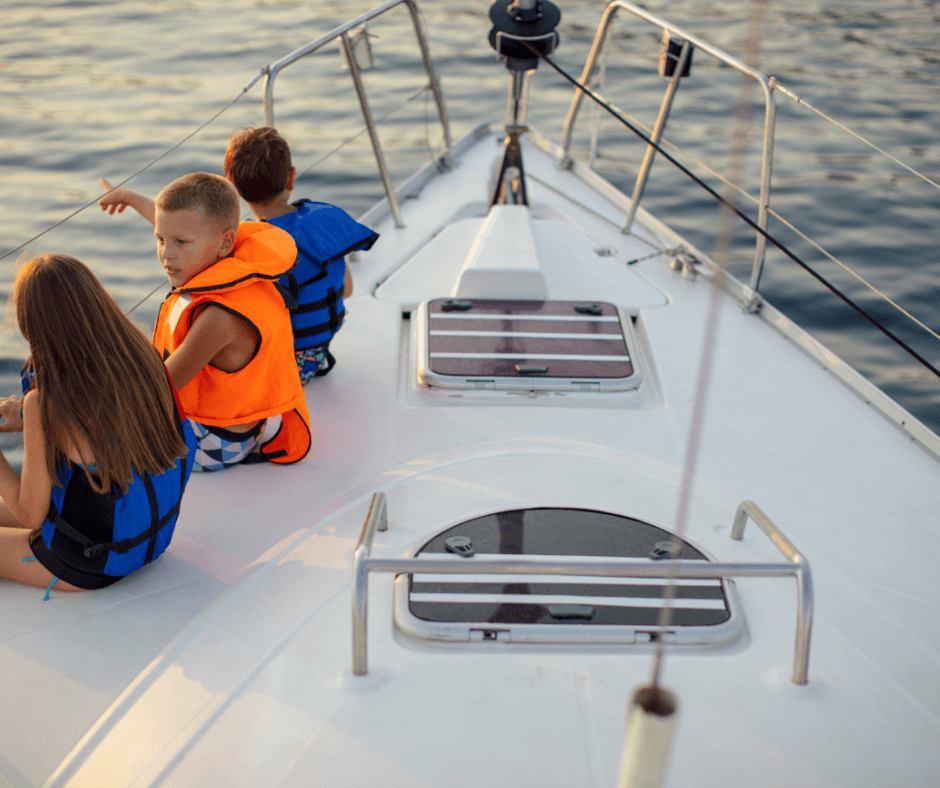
<point>103,88</point>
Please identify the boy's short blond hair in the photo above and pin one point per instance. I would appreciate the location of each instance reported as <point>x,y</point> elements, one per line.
<point>214,196</point>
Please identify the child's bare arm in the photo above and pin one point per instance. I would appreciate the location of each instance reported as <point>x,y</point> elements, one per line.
<point>211,332</point>
<point>26,495</point>
<point>348,283</point>
<point>11,409</point>
<point>116,200</point>
<point>216,336</point>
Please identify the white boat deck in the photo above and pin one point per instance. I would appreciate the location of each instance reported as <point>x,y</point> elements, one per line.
<point>228,661</point>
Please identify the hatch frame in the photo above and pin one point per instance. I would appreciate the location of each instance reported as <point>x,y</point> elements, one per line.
<point>794,565</point>
<point>428,378</point>
<point>556,634</point>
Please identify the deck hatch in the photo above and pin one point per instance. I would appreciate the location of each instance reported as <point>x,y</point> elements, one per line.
<point>553,345</point>
<point>556,608</point>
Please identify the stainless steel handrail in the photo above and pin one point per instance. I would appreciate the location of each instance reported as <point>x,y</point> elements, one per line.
<point>804,580</point>
<point>273,70</point>
<point>591,567</point>
<point>376,520</point>
<point>600,38</point>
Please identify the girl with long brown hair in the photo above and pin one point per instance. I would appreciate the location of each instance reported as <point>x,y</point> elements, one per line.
<point>106,452</point>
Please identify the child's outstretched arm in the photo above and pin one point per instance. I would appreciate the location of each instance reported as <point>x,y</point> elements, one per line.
<point>116,200</point>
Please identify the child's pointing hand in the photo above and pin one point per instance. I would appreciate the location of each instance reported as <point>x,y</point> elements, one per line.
<point>116,200</point>
<point>113,199</point>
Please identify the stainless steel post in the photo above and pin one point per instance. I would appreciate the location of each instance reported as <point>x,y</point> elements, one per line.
<point>600,38</point>
<point>373,134</point>
<point>647,165</point>
<point>770,117</point>
<point>433,81</point>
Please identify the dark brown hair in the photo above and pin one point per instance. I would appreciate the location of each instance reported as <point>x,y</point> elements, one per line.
<point>211,194</point>
<point>99,380</point>
<point>258,162</point>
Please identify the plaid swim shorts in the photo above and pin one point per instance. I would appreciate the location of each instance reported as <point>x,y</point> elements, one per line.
<point>218,448</point>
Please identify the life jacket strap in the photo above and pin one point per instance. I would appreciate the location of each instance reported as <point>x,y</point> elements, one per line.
<point>289,294</point>
<point>332,299</point>
<point>93,550</point>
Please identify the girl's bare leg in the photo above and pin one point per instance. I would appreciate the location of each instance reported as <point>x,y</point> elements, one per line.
<point>14,547</point>
<point>7,520</point>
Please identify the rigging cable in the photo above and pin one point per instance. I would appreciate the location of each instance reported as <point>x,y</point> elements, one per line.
<point>411,97</point>
<point>146,167</point>
<point>605,105</point>
<point>130,311</point>
<point>774,84</point>
<point>746,195</point>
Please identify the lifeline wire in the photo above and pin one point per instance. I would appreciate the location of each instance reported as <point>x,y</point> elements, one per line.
<point>185,139</point>
<point>594,97</point>
<point>163,155</point>
<point>775,84</point>
<point>858,277</point>
<point>131,310</point>
<point>348,140</point>
<point>342,145</point>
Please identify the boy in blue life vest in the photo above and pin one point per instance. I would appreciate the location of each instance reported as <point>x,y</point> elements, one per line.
<point>258,163</point>
<point>224,331</point>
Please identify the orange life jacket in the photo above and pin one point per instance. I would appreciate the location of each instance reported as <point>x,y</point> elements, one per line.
<point>266,386</point>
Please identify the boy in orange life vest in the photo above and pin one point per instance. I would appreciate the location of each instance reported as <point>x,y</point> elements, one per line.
<point>224,330</point>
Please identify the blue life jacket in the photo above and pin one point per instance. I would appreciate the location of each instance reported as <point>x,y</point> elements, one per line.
<point>110,533</point>
<point>324,235</point>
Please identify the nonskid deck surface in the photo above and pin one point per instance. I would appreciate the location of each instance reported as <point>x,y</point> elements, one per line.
<point>234,649</point>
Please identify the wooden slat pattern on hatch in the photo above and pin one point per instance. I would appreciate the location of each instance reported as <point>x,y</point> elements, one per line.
<point>530,339</point>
